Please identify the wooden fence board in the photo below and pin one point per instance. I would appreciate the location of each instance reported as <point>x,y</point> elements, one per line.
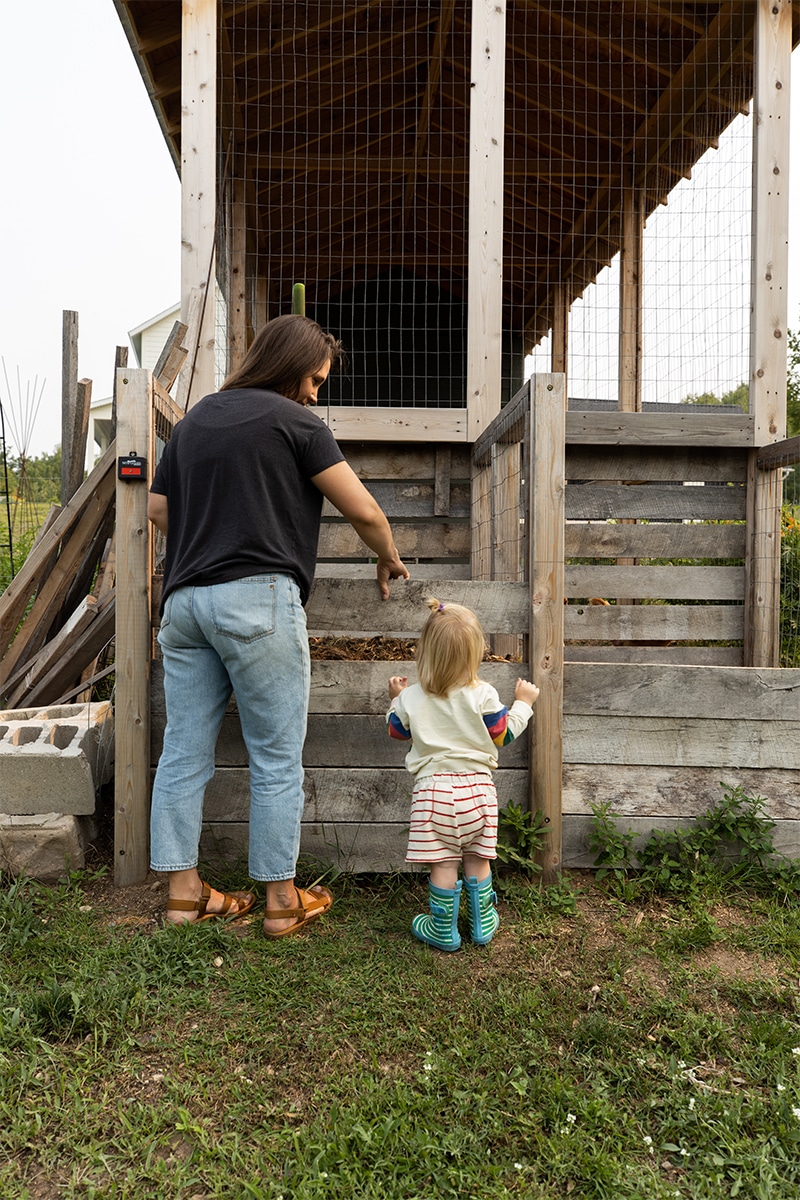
<point>434,539</point>
<point>655,583</point>
<point>356,606</point>
<point>711,656</point>
<point>668,540</point>
<point>666,502</point>
<point>662,622</point>
<point>731,693</point>
<point>411,462</point>
<point>675,791</point>
<point>684,428</point>
<point>657,464</point>
<point>681,741</point>
<point>411,498</point>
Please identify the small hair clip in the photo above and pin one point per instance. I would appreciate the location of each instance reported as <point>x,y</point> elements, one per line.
<point>441,607</point>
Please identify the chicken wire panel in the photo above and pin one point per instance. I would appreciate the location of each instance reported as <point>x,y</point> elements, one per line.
<point>344,152</point>
<point>641,108</point>
<point>344,164</point>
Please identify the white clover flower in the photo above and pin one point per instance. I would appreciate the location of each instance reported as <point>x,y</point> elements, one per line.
<point>691,1104</point>
<point>682,1064</point>
<point>684,1153</point>
<point>428,1066</point>
<point>517,1166</point>
<point>796,1113</point>
<point>648,1141</point>
<point>571,1118</point>
<point>795,1050</point>
<point>780,1088</point>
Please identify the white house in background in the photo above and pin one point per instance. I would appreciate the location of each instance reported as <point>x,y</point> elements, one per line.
<point>147,341</point>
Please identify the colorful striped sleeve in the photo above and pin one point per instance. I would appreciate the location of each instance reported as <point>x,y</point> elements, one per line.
<point>497,724</point>
<point>397,729</point>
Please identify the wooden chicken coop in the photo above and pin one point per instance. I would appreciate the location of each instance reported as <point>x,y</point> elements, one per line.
<point>453,182</point>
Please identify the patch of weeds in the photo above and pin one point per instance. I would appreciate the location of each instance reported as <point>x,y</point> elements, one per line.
<point>520,837</point>
<point>731,843</point>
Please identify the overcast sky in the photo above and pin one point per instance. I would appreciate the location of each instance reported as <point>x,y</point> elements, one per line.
<point>90,203</point>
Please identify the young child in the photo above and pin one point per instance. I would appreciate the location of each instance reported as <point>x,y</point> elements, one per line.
<point>455,723</point>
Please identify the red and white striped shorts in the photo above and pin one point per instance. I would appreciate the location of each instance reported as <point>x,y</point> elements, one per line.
<point>452,815</point>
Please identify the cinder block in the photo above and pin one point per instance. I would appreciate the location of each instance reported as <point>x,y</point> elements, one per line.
<point>45,846</point>
<point>55,759</point>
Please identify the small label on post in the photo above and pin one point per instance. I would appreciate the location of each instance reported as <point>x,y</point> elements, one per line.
<point>132,468</point>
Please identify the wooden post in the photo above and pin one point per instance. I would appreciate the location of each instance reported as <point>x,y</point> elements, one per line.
<point>69,396</point>
<point>237,278</point>
<point>769,289</point>
<point>630,302</point>
<point>559,347</point>
<point>481,522</point>
<point>545,528</point>
<point>506,536</point>
<point>769,279</point>
<point>133,636</point>
<point>484,290</point>
<point>198,184</point>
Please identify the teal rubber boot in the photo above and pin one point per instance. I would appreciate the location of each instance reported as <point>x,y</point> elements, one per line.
<point>440,929</point>
<point>483,915</point>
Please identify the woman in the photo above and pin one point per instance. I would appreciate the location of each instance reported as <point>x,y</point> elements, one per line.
<point>238,493</point>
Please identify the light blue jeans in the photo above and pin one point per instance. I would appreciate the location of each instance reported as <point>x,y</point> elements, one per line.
<point>248,637</point>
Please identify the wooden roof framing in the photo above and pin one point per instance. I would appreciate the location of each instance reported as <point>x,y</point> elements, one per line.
<point>362,110</point>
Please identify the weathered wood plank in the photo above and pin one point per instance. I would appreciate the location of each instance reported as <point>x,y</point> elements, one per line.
<point>359,795</point>
<point>366,570</point>
<point>666,502</point>
<point>709,656</point>
<point>372,424</point>
<point>663,464</point>
<point>434,539</point>
<point>654,622</point>
<point>681,741</point>
<point>340,740</point>
<point>731,693</point>
<point>355,607</point>
<point>655,583</point>
<point>404,461</point>
<point>668,791</point>
<point>685,428</point>
<point>675,540</point>
<point>410,498</point>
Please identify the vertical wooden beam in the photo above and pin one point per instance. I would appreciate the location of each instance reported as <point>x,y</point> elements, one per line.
<point>559,347</point>
<point>198,184</point>
<point>481,522</point>
<point>120,360</point>
<point>133,636</point>
<point>762,565</point>
<point>630,302</point>
<point>506,534</point>
<point>545,530</point>
<point>69,396</point>
<point>237,278</point>
<point>485,286</point>
<point>769,278</point>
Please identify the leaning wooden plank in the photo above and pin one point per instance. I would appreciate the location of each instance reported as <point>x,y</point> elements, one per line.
<point>786,836</point>
<point>69,399</point>
<point>36,668</point>
<point>416,540</point>
<point>661,622</point>
<point>732,693</point>
<point>655,583</point>
<point>103,585</point>
<point>669,791</point>
<point>662,464</point>
<point>654,501</point>
<point>684,741</point>
<point>83,650</point>
<point>353,607</point>
<point>50,595</point>
<point>172,356</point>
<point>14,599</point>
<point>602,539</point>
<point>660,429</point>
<point>779,454</point>
<point>87,569</point>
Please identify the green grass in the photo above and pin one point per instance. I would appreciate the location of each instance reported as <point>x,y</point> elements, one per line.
<point>644,1050</point>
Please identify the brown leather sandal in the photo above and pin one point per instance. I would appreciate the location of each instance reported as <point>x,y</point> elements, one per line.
<point>245,900</point>
<point>313,902</point>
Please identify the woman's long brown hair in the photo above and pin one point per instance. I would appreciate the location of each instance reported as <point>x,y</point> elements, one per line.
<point>284,352</point>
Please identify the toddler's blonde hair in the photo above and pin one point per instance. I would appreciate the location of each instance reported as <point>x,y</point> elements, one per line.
<point>450,648</point>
